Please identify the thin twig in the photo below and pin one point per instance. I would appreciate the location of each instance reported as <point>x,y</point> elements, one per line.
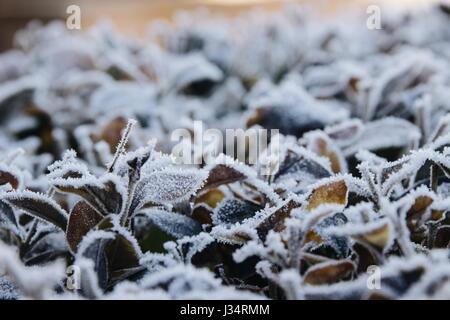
<point>121,146</point>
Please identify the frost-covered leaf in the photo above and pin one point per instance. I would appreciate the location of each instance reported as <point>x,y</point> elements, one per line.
<point>303,167</point>
<point>379,234</point>
<point>113,250</point>
<point>322,145</point>
<point>407,168</point>
<point>328,193</point>
<point>346,132</point>
<point>420,209</point>
<point>93,247</point>
<point>329,272</point>
<point>380,237</point>
<point>222,174</point>
<point>332,246</point>
<point>202,213</point>
<point>157,261</point>
<point>291,110</point>
<point>167,186</point>
<point>37,282</point>
<point>7,217</point>
<point>405,75</point>
<point>174,224</point>
<point>236,234</point>
<point>106,193</point>
<point>275,220</point>
<point>385,133</point>
<point>45,247</point>
<point>82,219</point>
<point>186,248</point>
<point>8,290</point>
<point>211,197</point>
<point>111,133</point>
<point>231,211</point>
<point>193,75</point>
<point>187,282</point>
<point>39,206</point>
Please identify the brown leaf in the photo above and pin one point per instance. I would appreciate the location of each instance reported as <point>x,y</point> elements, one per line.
<point>112,133</point>
<point>83,218</point>
<point>346,132</point>
<point>329,272</point>
<point>322,145</point>
<point>7,177</point>
<point>442,237</point>
<point>276,220</point>
<point>415,213</point>
<point>222,174</point>
<point>365,257</point>
<point>202,214</point>
<point>311,236</point>
<point>377,295</point>
<point>332,193</point>
<point>378,237</point>
<point>211,197</point>
<point>241,236</point>
<point>324,149</point>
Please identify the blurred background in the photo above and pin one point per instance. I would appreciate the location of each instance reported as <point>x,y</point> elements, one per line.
<point>132,16</point>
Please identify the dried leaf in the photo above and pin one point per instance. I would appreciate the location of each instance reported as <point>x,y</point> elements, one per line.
<point>7,177</point>
<point>321,144</point>
<point>417,210</point>
<point>330,193</point>
<point>329,272</point>
<point>222,174</point>
<point>203,214</point>
<point>112,133</point>
<point>275,221</point>
<point>211,197</point>
<point>379,237</point>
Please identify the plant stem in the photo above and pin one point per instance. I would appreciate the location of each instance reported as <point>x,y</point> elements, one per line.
<point>121,146</point>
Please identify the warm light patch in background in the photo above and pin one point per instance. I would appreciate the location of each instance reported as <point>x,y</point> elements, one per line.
<point>132,16</point>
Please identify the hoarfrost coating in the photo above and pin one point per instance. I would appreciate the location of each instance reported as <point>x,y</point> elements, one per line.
<point>359,186</point>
